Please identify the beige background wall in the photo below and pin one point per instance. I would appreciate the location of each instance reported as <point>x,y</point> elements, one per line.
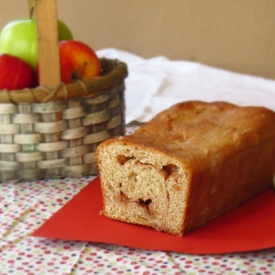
<point>237,35</point>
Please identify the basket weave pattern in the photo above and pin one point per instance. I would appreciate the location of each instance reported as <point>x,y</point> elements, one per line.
<point>59,138</point>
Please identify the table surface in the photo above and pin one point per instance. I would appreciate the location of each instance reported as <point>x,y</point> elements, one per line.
<point>25,206</point>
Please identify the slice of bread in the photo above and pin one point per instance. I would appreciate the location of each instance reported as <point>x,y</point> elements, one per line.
<point>189,165</point>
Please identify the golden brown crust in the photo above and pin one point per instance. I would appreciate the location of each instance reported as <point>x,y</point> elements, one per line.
<point>204,158</point>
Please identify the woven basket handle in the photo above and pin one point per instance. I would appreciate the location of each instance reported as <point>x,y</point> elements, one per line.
<point>47,34</point>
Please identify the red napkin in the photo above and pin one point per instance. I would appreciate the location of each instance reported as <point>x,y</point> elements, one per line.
<point>249,227</point>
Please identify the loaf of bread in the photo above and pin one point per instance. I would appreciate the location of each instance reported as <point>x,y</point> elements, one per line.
<point>189,165</point>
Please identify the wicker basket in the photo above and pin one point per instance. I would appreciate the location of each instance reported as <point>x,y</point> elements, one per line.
<point>58,136</point>
<point>54,129</point>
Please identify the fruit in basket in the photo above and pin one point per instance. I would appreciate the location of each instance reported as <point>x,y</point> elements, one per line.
<point>15,74</point>
<point>64,33</point>
<point>19,38</point>
<point>78,61</point>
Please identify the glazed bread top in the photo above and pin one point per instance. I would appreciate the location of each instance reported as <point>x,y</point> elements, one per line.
<point>194,128</point>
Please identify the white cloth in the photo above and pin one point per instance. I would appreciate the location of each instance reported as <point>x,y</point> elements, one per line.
<point>157,83</point>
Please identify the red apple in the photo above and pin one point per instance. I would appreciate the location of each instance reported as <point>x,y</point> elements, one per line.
<point>15,74</point>
<point>78,61</point>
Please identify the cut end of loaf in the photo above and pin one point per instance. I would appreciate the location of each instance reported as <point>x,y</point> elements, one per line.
<point>142,187</point>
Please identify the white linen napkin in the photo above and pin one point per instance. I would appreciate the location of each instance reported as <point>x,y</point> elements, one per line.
<point>157,83</point>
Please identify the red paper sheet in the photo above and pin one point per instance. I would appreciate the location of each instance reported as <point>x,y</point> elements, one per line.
<point>249,227</point>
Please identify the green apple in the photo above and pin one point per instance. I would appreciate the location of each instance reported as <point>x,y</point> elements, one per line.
<point>19,38</point>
